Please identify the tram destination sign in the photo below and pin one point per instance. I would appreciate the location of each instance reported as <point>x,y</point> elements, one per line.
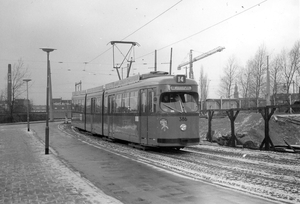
<point>181,88</point>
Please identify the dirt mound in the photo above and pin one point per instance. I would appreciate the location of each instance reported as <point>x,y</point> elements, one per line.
<point>250,129</point>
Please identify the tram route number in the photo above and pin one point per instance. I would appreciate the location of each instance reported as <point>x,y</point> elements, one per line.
<point>182,119</point>
<point>180,78</point>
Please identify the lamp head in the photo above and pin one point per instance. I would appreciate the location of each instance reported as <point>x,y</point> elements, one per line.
<point>27,80</point>
<point>47,49</point>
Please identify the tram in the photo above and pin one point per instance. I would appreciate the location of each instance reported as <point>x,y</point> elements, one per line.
<point>150,110</point>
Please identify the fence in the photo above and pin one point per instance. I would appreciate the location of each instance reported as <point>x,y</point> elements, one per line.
<point>33,116</point>
<point>266,113</point>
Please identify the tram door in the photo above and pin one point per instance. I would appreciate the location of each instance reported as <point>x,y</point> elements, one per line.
<point>146,108</point>
<point>92,114</point>
<point>110,118</point>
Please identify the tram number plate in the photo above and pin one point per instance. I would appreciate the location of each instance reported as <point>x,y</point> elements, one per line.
<point>182,119</point>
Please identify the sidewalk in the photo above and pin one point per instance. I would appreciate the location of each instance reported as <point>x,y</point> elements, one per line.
<point>27,175</point>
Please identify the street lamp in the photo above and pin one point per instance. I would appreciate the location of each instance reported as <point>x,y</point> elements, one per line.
<point>48,50</point>
<point>27,80</point>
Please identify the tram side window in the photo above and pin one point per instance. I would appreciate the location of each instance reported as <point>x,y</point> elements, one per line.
<point>82,105</point>
<point>88,105</point>
<point>111,104</point>
<point>152,104</point>
<point>143,102</point>
<point>98,105</point>
<point>119,103</point>
<point>92,105</point>
<point>105,104</point>
<point>74,104</point>
<point>126,104</point>
<point>133,101</point>
<point>79,105</point>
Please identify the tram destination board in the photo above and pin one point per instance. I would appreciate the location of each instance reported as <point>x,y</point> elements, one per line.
<point>181,88</point>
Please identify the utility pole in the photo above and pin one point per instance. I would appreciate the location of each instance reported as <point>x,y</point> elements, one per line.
<point>171,62</point>
<point>50,95</point>
<point>9,89</point>
<point>155,61</point>
<point>28,126</point>
<point>268,84</point>
<point>191,75</point>
<point>78,86</point>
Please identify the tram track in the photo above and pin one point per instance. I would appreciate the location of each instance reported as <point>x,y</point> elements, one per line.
<point>267,174</point>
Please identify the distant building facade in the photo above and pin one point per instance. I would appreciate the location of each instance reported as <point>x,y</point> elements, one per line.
<point>61,108</point>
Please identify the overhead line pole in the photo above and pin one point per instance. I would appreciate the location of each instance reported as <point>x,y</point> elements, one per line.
<point>191,73</point>
<point>171,62</point>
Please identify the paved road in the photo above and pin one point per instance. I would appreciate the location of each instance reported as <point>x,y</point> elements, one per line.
<point>133,182</point>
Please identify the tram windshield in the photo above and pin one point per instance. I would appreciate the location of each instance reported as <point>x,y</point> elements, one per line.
<point>179,102</point>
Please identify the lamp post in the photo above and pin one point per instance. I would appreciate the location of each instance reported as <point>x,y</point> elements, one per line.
<point>27,80</point>
<point>48,50</point>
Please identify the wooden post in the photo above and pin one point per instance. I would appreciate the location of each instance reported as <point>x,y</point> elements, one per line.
<point>232,116</point>
<point>210,116</point>
<point>267,116</point>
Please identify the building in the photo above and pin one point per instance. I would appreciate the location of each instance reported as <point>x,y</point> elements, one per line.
<point>3,106</point>
<point>61,108</point>
<point>38,108</point>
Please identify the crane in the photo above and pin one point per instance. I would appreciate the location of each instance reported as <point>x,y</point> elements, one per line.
<point>217,49</point>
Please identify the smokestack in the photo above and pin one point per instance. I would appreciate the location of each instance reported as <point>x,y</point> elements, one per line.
<point>9,86</point>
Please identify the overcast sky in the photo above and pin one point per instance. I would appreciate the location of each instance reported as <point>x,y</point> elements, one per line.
<point>81,30</point>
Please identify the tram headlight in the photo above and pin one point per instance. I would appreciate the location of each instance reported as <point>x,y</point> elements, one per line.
<point>183,127</point>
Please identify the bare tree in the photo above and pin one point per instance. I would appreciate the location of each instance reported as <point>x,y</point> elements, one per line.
<point>244,79</point>
<point>203,85</point>
<point>289,63</point>
<point>19,72</point>
<point>259,68</point>
<point>229,77</point>
<point>276,75</point>
<point>294,60</point>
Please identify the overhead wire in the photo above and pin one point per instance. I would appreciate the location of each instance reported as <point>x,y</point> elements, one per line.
<point>209,27</point>
<point>152,20</point>
<point>89,62</point>
<point>138,29</point>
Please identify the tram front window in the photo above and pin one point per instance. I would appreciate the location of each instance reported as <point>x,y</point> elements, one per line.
<point>179,102</point>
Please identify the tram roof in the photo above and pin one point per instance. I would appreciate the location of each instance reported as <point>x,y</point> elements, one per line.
<point>148,79</point>
<point>151,78</point>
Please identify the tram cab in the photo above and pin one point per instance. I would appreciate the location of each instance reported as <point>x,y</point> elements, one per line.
<point>175,120</point>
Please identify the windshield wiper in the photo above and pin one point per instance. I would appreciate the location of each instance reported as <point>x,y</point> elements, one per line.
<point>172,108</point>
<point>181,106</point>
